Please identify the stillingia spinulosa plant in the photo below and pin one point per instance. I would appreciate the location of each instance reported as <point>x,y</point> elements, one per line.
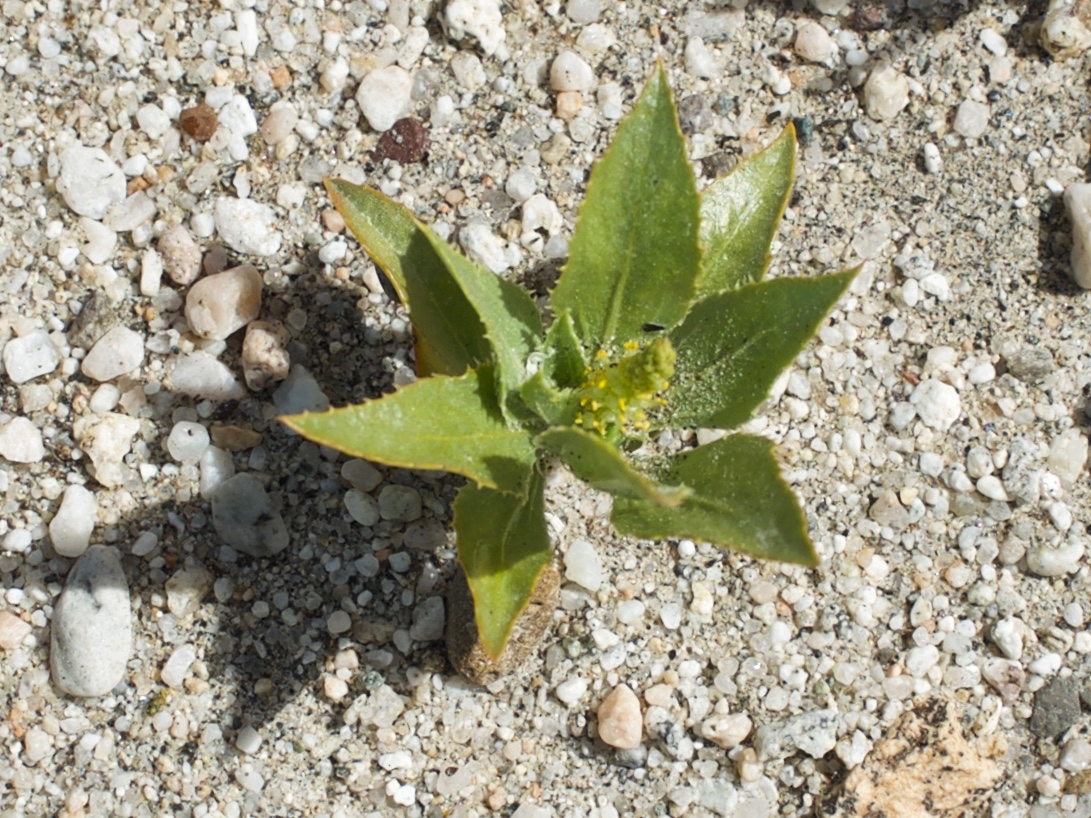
<point>662,319</point>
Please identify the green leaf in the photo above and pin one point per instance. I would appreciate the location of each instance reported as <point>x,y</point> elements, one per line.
<point>739,501</point>
<point>554,407</point>
<point>447,423</point>
<point>503,546</point>
<point>565,363</point>
<point>740,215</point>
<point>450,334</point>
<point>732,346</point>
<point>512,321</point>
<point>634,256</point>
<point>599,464</point>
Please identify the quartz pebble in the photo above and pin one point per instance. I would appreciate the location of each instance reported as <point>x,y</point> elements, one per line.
<point>216,466</point>
<point>485,247</point>
<point>1048,561</point>
<point>186,588</point>
<point>571,690</point>
<point>1065,32</point>
<point>1068,455</point>
<point>728,730</point>
<point>71,527</point>
<point>90,181</point>
<point>174,670</point>
<point>21,441</point>
<point>814,44</point>
<point>621,724</point>
<point>583,12</point>
<point>106,439</point>
<point>218,305</point>
<point>569,72</point>
<point>886,93</point>
<point>187,441</point>
<point>181,255</point>
<point>937,404</point>
<point>481,19</point>
<point>200,375</point>
<point>1077,201</point>
<point>583,566</point>
<point>13,630</point>
<point>300,392</point>
<point>117,353</point>
<point>971,119</point>
<point>246,226</point>
<point>91,630</point>
<point>265,358</point>
<point>30,356</point>
<point>385,96</point>
<point>245,518</point>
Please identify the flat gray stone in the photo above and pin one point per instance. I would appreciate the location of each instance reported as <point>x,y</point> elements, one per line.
<point>244,517</point>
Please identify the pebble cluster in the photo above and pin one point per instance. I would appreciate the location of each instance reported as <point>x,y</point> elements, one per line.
<point>202,614</point>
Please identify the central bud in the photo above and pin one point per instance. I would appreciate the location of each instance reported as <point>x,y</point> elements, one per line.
<point>615,397</point>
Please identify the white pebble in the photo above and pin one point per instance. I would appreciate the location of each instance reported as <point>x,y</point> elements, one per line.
<point>91,631</point>
<point>700,61</point>
<point>151,272</point>
<point>30,356</point>
<point>101,241</point>
<point>583,12</point>
<point>937,404</point>
<point>90,181</point>
<point>21,441</point>
<point>1048,561</point>
<point>397,760</point>
<point>153,121</point>
<point>583,565</point>
<point>385,96</point>
<point>620,721</point>
<point>187,441</point>
<point>485,247</point>
<point>117,353</point>
<point>933,162</point>
<point>219,305</point>
<point>814,44</point>
<point>71,527</point>
<point>174,670</point>
<point>886,93</point>
<point>1077,200</point>
<point>199,374</point>
<point>991,486</point>
<point>481,19</point>
<point>728,730</point>
<point>246,226</point>
<point>971,119</point>
<point>993,42</point>
<point>571,690</point>
<point>181,255</point>
<point>131,212</point>
<point>569,72</point>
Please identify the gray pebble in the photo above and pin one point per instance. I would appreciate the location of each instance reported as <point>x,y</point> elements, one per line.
<point>91,635</point>
<point>1056,707</point>
<point>244,517</point>
<point>1030,364</point>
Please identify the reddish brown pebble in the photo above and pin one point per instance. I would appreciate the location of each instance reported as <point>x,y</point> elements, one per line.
<point>199,122</point>
<point>406,142</point>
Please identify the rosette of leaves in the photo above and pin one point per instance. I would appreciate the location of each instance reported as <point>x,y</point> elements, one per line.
<point>663,318</point>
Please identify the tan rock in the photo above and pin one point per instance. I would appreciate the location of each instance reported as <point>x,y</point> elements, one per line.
<point>265,359</point>
<point>621,723</point>
<point>220,304</point>
<point>235,438</point>
<point>13,630</point>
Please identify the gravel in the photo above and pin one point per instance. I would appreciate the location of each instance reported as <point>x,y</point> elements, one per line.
<point>936,432</point>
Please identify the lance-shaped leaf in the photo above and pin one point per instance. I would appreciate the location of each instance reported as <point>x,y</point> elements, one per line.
<point>732,346</point>
<point>601,465</point>
<point>740,215</point>
<point>450,334</point>
<point>554,407</point>
<point>446,423</point>
<point>512,321</point>
<point>565,363</point>
<point>634,256</point>
<point>503,545</point>
<point>739,501</point>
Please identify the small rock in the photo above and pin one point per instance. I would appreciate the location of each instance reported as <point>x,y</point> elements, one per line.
<point>21,441</point>
<point>90,181</point>
<point>385,96</point>
<point>71,527</point>
<point>481,19</point>
<point>244,517</point>
<point>199,122</point>
<point>91,630</point>
<point>814,733</point>
<point>218,305</point>
<point>428,620</point>
<point>1006,676</point>
<point>406,142</point>
<point>814,44</point>
<point>569,72</point>
<point>280,122</point>
<point>117,353</point>
<point>174,670</point>
<point>265,358</point>
<point>621,724</point>
<point>1068,455</point>
<point>583,566</point>
<point>131,212</point>
<point>991,487</point>
<point>700,61</point>
<point>96,317</point>
<point>246,226</point>
<point>937,404</point>
<point>571,690</point>
<point>151,273</point>
<point>886,93</point>
<point>1048,561</point>
<point>200,375</point>
<point>30,356</point>
<point>933,162</point>
<point>583,12</point>
<point>485,247</point>
<point>399,503</point>
<point>1066,29</point>
<point>993,42</point>
<point>1056,707</point>
<point>1007,635</point>
<point>186,589</point>
<point>106,439</point>
<point>1077,201</point>
<point>235,438</point>
<point>888,511</point>
<point>181,255</point>
<point>971,119</point>
<point>187,441</point>
<point>13,630</point>
<point>1022,477</point>
<point>1030,364</point>
<point>1075,755</point>
<point>300,392</point>
<point>216,466</point>
<point>728,730</point>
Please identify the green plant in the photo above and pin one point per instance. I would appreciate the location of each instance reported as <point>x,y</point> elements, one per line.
<point>662,318</point>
